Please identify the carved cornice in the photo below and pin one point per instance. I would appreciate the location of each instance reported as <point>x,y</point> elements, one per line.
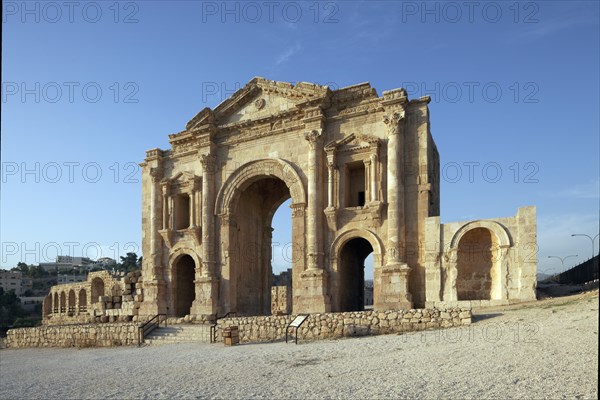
<point>367,107</point>
<point>154,154</point>
<point>394,97</point>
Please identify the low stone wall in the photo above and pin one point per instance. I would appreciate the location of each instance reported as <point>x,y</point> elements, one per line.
<point>89,335</point>
<point>346,324</point>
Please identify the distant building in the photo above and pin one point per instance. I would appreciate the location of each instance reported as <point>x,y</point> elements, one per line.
<point>29,303</point>
<point>68,262</point>
<point>105,263</point>
<point>63,278</point>
<point>14,280</point>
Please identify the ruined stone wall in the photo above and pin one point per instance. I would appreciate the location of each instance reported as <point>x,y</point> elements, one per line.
<point>281,300</point>
<point>346,324</point>
<point>90,335</point>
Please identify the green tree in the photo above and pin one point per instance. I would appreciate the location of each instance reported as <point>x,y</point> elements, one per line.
<point>21,267</point>
<point>10,307</point>
<point>128,263</point>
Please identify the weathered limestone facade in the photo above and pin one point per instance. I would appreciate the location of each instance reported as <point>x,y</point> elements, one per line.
<point>362,172</point>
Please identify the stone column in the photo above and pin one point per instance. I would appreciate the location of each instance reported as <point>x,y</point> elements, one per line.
<point>314,210</point>
<point>330,180</point>
<point>313,295</point>
<point>367,164</point>
<point>207,284</point>
<point>153,268</point>
<point>165,201</point>
<point>374,196</point>
<point>395,273</point>
<point>192,206</point>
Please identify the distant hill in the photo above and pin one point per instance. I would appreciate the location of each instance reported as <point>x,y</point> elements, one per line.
<point>541,276</point>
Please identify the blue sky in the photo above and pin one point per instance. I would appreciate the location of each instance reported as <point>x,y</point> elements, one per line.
<point>87,90</point>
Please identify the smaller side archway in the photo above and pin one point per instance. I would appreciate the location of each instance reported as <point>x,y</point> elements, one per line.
<point>348,253</point>
<point>55,304</point>
<point>183,275</point>
<point>97,289</point>
<point>63,302</point>
<point>82,301</point>
<point>71,302</point>
<point>47,305</point>
<point>475,269</point>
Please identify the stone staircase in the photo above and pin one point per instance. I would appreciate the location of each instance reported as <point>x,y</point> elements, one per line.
<point>197,333</point>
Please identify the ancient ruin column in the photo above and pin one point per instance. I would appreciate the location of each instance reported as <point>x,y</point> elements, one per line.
<point>373,182</point>
<point>330,180</point>
<point>312,289</point>
<point>367,164</point>
<point>395,188</point>
<point>395,273</point>
<point>192,205</point>
<point>165,201</point>
<point>314,210</point>
<point>207,284</point>
<point>208,214</point>
<point>152,241</point>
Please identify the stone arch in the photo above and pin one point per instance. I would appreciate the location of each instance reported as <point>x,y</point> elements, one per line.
<point>252,171</point>
<point>55,303</point>
<point>345,236</point>
<point>115,290</point>
<point>97,289</point>
<point>82,300</point>
<point>185,269</point>
<point>502,234</point>
<point>63,302</point>
<point>343,286</point>
<point>72,302</point>
<point>476,269</point>
<point>178,252</point>
<point>246,204</point>
<point>47,305</point>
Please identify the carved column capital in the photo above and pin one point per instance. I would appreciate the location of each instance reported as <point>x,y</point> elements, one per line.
<point>298,209</point>
<point>393,121</point>
<point>156,174</point>
<point>313,137</point>
<point>208,162</point>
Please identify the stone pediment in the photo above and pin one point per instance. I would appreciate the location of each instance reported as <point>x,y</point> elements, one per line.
<point>181,182</point>
<point>352,142</point>
<point>259,99</point>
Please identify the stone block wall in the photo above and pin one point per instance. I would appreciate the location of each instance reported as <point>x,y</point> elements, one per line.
<point>346,324</point>
<point>89,335</point>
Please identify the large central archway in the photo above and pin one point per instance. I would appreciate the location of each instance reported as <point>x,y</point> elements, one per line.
<point>253,271</point>
<point>246,205</point>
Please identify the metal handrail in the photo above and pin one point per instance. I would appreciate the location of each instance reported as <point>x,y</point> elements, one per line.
<point>149,326</point>
<point>213,327</point>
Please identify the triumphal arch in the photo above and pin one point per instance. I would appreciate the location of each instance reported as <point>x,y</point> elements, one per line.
<point>363,175</point>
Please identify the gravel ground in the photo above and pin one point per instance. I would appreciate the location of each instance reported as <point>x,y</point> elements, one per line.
<point>544,350</point>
